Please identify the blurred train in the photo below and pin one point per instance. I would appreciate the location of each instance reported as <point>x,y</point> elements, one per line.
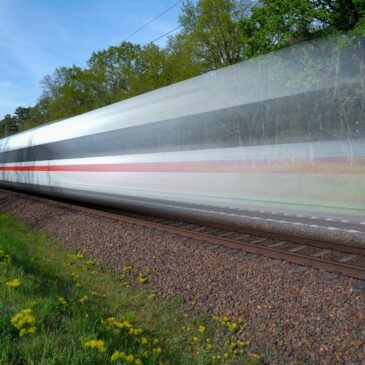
<point>283,132</point>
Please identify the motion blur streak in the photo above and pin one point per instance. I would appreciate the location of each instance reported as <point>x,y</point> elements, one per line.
<point>285,132</point>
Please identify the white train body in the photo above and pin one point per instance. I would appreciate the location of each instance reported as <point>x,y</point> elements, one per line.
<point>224,139</point>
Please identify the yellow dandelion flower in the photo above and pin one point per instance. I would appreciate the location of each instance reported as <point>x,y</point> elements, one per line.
<point>127,268</point>
<point>135,331</point>
<point>62,300</point>
<point>24,317</point>
<point>157,350</point>
<point>152,296</point>
<point>232,326</point>
<point>118,355</point>
<point>76,256</point>
<point>243,343</point>
<point>195,339</point>
<point>142,279</point>
<point>144,340</point>
<point>138,362</point>
<point>83,299</point>
<point>25,331</point>
<point>129,358</point>
<point>201,328</point>
<point>96,344</point>
<point>209,346</point>
<point>155,341</point>
<point>13,283</point>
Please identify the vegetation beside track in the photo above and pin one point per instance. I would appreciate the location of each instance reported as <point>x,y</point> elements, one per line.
<point>59,306</point>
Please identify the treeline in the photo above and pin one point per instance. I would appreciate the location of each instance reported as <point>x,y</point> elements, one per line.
<point>214,34</point>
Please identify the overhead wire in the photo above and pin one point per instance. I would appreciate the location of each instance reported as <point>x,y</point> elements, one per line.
<point>164,35</point>
<point>152,20</point>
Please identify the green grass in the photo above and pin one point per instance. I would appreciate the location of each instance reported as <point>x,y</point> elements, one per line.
<point>71,300</point>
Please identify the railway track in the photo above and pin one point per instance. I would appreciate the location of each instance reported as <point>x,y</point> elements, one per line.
<point>348,260</point>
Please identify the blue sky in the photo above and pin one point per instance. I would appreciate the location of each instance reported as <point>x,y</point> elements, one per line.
<point>37,36</point>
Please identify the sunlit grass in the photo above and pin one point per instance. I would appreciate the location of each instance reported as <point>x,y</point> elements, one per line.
<point>60,307</point>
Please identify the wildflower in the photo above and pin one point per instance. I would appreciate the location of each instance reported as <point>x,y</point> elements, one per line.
<point>138,362</point>
<point>13,283</point>
<point>24,321</point>
<point>232,326</point>
<point>129,358</point>
<point>76,256</point>
<point>157,350</point>
<point>142,279</point>
<point>155,341</point>
<point>152,296</point>
<point>96,344</point>
<point>94,293</point>
<point>83,299</point>
<point>62,300</point>
<point>25,331</point>
<point>201,328</point>
<point>195,339</point>
<point>144,341</point>
<point>209,346</point>
<point>127,268</point>
<point>243,343</point>
<point>118,355</point>
<point>78,285</point>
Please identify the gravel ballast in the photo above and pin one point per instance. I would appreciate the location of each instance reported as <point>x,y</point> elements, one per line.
<point>293,314</point>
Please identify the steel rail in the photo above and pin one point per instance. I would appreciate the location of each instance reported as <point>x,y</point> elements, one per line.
<point>353,271</point>
<point>357,272</point>
<point>346,248</point>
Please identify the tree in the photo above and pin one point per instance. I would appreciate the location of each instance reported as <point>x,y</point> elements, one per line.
<point>8,126</point>
<point>211,29</point>
<point>279,23</point>
<point>342,15</point>
<point>112,72</point>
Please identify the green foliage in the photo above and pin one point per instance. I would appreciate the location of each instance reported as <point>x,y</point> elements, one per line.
<point>59,307</point>
<point>211,28</point>
<point>215,33</point>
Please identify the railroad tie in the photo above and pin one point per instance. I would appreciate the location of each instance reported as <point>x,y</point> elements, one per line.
<point>298,248</point>
<point>278,244</point>
<point>346,258</point>
<point>321,253</point>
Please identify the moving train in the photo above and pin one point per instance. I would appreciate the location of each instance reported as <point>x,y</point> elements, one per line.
<point>283,132</point>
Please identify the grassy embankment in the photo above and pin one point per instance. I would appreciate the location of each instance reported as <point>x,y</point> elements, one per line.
<point>58,307</point>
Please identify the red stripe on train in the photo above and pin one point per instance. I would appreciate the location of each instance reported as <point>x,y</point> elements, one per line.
<point>334,165</point>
